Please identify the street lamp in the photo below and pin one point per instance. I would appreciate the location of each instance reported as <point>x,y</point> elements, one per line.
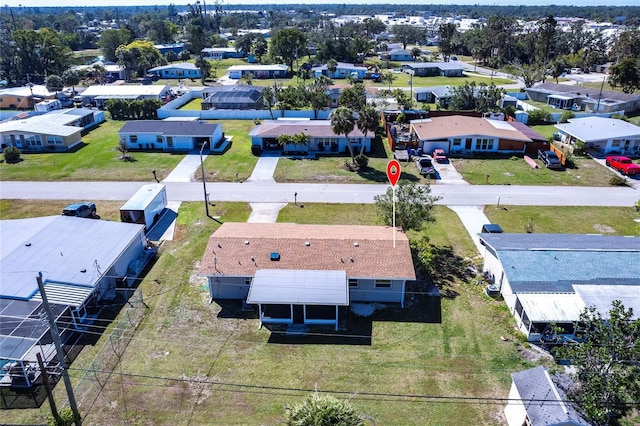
<point>204,182</point>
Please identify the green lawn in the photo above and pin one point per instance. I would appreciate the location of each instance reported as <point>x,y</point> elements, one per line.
<point>546,130</point>
<point>194,104</point>
<point>573,220</point>
<point>237,160</point>
<point>96,159</point>
<point>184,337</point>
<point>517,172</point>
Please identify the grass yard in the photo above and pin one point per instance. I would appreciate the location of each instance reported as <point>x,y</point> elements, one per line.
<point>237,163</point>
<point>97,159</point>
<point>573,220</point>
<point>546,130</point>
<point>516,172</point>
<point>194,104</point>
<point>331,168</point>
<point>188,356</point>
<point>17,209</point>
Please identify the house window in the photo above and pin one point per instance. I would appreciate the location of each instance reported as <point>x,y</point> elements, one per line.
<point>159,139</point>
<point>54,140</point>
<point>32,140</point>
<point>133,138</point>
<point>457,142</point>
<point>615,143</point>
<point>353,283</point>
<point>484,144</point>
<point>247,280</point>
<point>169,142</point>
<point>383,283</point>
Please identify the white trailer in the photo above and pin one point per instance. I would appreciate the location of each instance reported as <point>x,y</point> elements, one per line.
<point>146,205</point>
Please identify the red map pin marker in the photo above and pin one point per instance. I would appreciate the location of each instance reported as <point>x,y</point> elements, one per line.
<point>393,172</point>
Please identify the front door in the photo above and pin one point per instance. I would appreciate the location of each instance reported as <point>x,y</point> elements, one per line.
<point>467,144</point>
<point>298,314</point>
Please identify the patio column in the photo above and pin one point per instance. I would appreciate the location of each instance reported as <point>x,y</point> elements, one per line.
<point>404,283</point>
<point>336,317</point>
<point>261,315</point>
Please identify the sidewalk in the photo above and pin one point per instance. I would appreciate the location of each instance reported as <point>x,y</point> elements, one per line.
<point>472,217</point>
<point>265,168</point>
<point>187,167</point>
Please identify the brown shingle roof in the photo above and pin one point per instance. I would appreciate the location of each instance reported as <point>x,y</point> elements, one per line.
<point>460,126</point>
<point>331,247</point>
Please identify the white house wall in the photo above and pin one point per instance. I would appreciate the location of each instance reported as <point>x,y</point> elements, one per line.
<point>222,287</point>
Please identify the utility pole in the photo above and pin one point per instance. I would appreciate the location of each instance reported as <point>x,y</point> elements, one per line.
<point>204,181</point>
<point>55,334</point>
<point>47,387</point>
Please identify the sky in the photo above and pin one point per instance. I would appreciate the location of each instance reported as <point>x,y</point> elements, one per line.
<point>227,3</point>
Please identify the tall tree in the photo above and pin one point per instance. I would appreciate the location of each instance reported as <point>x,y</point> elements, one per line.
<point>607,380</point>
<point>368,121</point>
<point>626,75</point>
<point>405,34</point>
<point>54,83</point>
<point>71,78</point>
<point>414,205</point>
<point>110,40</point>
<point>138,56</point>
<point>343,123</point>
<point>268,99</point>
<point>388,77</point>
<point>446,32</point>
<point>547,40</point>
<point>288,44</point>
<point>317,95</point>
<point>354,97</point>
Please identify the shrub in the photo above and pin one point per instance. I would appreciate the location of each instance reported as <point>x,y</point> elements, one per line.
<point>618,181</point>
<point>514,158</point>
<point>12,155</point>
<point>566,116</point>
<point>539,116</point>
<point>620,117</point>
<point>362,161</point>
<point>580,148</point>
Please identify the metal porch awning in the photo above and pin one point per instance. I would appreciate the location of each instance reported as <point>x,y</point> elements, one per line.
<point>299,287</point>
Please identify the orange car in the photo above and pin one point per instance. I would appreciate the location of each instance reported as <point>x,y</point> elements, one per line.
<point>439,156</point>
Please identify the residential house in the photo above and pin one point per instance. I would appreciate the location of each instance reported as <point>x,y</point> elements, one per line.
<point>112,71</point>
<point>58,130</point>
<point>536,400</point>
<point>343,70</point>
<point>237,96</point>
<point>218,53</point>
<point>398,55</point>
<point>433,94</point>
<point>322,138</point>
<point>100,94</point>
<point>236,72</point>
<point>432,69</point>
<point>81,262</point>
<point>178,70</point>
<point>172,135</point>
<point>458,134</point>
<point>24,97</point>
<point>176,48</point>
<point>607,135</point>
<point>548,279</point>
<point>579,98</point>
<point>306,273</point>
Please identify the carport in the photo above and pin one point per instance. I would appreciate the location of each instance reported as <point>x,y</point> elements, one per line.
<point>292,296</point>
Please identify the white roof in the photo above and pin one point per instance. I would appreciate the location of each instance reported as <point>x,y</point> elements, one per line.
<point>181,66</point>
<point>125,90</point>
<point>141,199</point>
<point>299,287</point>
<point>591,129</point>
<point>601,297</point>
<point>67,250</point>
<point>552,307</point>
<point>54,123</point>
<point>26,91</point>
<point>257,67</point>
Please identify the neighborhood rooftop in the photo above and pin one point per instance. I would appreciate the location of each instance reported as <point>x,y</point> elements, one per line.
<point>599,128</point>
<point>362,251</point>
<point>459,126</point>
<point>56,123</point>
<point>170,127</point>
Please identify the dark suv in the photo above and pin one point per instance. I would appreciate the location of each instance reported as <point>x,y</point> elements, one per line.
<point>80,210</point>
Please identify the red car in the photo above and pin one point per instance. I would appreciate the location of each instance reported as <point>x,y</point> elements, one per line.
<point>623,164</point>
<point>439,156</point>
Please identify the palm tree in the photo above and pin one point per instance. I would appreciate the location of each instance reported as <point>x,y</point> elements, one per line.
<point>388,77</point>
<point>268,99</point>
<point>368,121</point>
<point>343,123</point>
<point>332,66</point>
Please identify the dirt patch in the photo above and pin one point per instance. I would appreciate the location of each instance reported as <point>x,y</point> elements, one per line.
<point>533,353</point>
<point>508,174</point>
<point>604,229</point>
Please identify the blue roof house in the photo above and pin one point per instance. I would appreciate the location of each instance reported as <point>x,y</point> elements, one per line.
<point>343,70</point>
<point>400,55</point>
<point>181,70</point>
<point>552,278</point>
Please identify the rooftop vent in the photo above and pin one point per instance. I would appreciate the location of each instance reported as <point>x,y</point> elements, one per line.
<point>356,244</point>
<point>274,256</point>
<point>246,242</point>
<point>28,244</point>
<point>307,243</point>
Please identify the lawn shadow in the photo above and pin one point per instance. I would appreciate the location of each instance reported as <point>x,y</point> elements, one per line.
<point>377,148</point>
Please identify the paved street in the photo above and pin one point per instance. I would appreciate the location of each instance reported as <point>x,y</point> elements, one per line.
<point>269,192</point>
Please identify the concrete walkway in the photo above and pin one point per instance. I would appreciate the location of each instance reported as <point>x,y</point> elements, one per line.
<point>265,212</point>
<point>472,218</point>
<point>184,171</point>
<point>265,168</point>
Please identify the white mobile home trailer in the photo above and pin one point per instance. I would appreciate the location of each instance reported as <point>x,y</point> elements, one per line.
<point>146,205</point>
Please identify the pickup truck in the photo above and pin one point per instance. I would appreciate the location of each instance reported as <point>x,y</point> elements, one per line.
<point>622,164</point>
<point>549,159</point>
<point>85,209</point>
